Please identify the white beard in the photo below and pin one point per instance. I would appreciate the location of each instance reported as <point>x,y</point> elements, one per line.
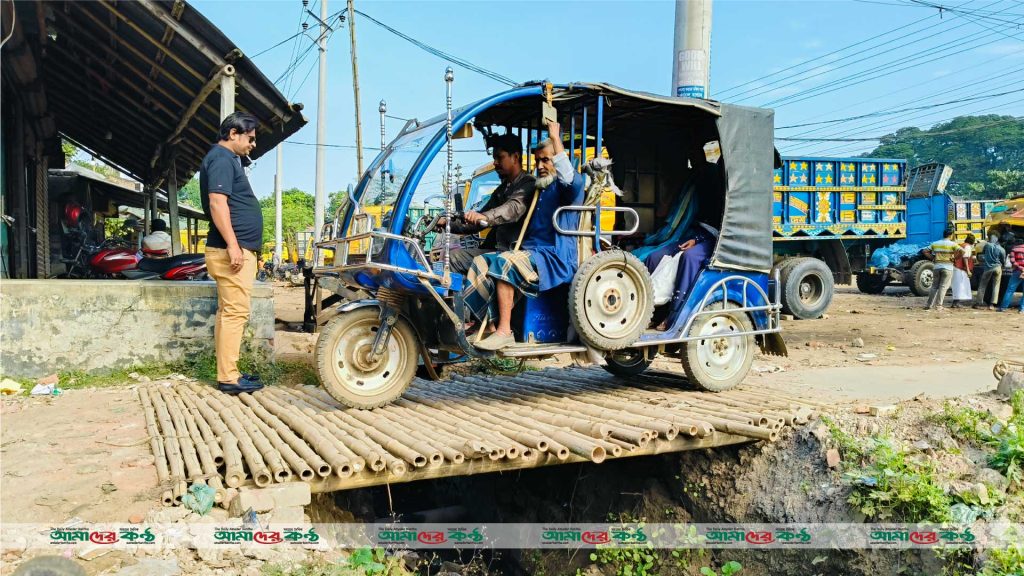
<point>543,182</point>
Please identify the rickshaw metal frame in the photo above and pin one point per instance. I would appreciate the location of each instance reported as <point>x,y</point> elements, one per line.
<point>426,275</point>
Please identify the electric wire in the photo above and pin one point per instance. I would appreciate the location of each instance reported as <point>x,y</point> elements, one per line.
<point>442,54</point>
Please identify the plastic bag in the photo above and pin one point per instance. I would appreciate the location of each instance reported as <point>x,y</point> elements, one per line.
<point>664,278</point>
<point>199,498</point>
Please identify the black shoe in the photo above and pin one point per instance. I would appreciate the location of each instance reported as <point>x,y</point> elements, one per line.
<point>251,377</point>
<point>243,385</point>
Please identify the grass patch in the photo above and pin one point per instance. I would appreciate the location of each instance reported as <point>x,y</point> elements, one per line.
<point>362,562</point>
<point>887,483</point>
<point>1003,440</point>
<point>77,379</point>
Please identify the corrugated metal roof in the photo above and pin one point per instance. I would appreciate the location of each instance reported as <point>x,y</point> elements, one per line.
<point>120,76</point>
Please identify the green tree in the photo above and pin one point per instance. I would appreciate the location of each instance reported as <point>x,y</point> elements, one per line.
<point>1007,183</point>
<point>189,193</point>
<point>979,148</point>
<point>296,214</point>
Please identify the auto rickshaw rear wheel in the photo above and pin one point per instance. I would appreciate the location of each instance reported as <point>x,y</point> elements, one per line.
<point>348,370</point>
<point>628,362</point>
<point>716,362</point>
<point>611,300</point>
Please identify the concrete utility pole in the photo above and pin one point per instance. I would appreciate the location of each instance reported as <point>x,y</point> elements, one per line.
<point>277,208</point>
<point>691,53</point>
<point>355,85</point>
<point>321,126</point>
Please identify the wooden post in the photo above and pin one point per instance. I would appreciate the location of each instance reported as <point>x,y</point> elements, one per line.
<point>172,209</point>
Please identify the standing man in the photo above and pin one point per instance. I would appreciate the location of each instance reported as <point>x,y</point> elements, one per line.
<point>503,211</point>
<point>1016,279</point>
<point>942,252</point>
<point>235,237</point>
<point>991,263</point>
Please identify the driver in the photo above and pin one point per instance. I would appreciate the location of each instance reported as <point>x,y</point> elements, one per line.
<point>503,211</point>
<point>546,260</point>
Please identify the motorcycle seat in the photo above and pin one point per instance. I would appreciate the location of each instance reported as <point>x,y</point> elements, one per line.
<point>161,265</point>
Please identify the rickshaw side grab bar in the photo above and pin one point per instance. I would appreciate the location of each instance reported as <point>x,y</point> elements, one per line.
<point>773,308</point>
<point>597,222</point>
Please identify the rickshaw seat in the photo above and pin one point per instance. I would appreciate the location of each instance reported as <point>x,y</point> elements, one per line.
<point>678,220</point>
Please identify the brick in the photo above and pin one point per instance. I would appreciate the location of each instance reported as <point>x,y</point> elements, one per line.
<point>288,515</point>
<point>879,411</point>
<point>288,494</point>
<point>832,458</point>
<point>46,380</point>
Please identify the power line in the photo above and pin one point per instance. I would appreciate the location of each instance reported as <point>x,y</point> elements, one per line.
<point>922,135</point>
<point>966,84</point>
<point>897,123</point>
<point>816,58</point>
<point>910,58</point>
<point>264,51</point>
<point>913,108</point>
<point>860,77</point>
<point>441,54</point>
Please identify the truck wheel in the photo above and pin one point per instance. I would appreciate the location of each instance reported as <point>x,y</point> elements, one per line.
<point>807,288</point>
<point>348,372</point>
<point>717,362</point>
<point>871,283</point>
<point>922,274</point>
<point>629,362</point>
<point>611,300</point>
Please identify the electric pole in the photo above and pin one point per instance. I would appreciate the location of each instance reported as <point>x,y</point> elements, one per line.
<point>321,126</point>
<point>355,85</point>
<point>277,208</point>
<point>691,53</point>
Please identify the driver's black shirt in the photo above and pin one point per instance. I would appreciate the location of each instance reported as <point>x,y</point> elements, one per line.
<point>504,212</point>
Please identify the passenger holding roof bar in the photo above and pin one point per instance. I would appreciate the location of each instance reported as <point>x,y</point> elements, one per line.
<point>542,259</point>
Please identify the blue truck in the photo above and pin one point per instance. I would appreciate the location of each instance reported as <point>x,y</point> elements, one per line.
<point>845,220</point>
<point>829,215</point>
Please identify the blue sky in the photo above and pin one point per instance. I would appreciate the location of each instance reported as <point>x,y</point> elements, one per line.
<point>929,60</point>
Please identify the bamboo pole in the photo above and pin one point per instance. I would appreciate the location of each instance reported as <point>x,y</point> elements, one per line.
<point>159,455</point>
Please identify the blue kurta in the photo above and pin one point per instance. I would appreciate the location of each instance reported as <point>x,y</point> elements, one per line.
<point>555,255</point>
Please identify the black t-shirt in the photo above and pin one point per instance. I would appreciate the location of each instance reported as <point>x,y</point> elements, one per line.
<point>221,173</point>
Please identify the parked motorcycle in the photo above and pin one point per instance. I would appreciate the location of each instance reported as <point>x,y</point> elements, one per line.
<point>116,258</point>
<point>180,267</point>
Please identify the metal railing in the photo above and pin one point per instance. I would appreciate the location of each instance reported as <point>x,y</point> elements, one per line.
<point>372,239</point>
<point>596,210</point>
<point>773,309</point>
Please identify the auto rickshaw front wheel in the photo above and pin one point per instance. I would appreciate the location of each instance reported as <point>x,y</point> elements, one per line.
<point>716,361</point>
<point>348,369</point>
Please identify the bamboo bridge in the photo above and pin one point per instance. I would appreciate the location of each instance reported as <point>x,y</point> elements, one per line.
<point>469,424</point>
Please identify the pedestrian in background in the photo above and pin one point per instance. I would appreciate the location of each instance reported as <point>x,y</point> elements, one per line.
<point>990,260</point>
<point>963,265</point>
<point>1016,279</point>
<point>942,252</point>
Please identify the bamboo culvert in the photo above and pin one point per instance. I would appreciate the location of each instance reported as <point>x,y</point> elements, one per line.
<point>626,424</point>
<point>335,438</point>
<point>188,449</point>
<point>316,436</point>
<point>257,467</point>
<point>292,460</point>
<point>159,456</point>
<point>451,447</point>
<point>296,453</point>
<point>390,445</point>
<point>483,445</point>
<point>234,471</point>
<point>206,462</point>
<point>465,443</point>
<point>468,417</point>
<point>626,403</point>
<point>170,443</point>
<point>204,430</point>
<point>361,444</point>
<point>271,456</point>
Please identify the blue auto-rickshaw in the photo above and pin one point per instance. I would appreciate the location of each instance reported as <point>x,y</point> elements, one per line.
<point>368,352</point>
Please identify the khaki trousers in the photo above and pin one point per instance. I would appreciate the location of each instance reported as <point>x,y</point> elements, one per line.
<point>234,301</point>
